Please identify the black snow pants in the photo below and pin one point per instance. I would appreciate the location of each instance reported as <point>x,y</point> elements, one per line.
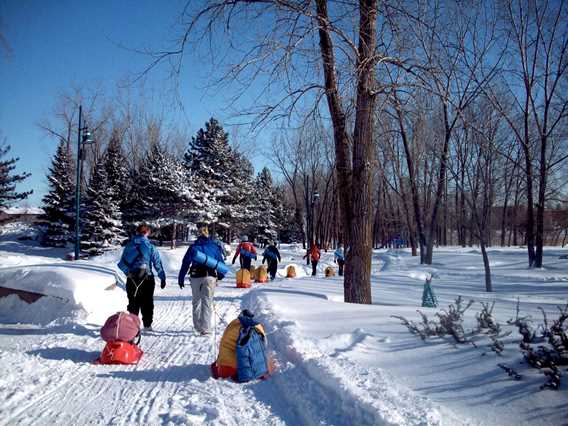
<point>340,263</point>
<point>272,267</point>
<point>141,298</point>
<point>245,262</point>
<point>314,267</point>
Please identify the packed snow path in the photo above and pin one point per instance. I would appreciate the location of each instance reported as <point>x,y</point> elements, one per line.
<point>339,364</point>
<point>58,384</point>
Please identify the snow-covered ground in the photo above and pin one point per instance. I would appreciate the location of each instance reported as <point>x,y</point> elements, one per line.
<point>339,364</point>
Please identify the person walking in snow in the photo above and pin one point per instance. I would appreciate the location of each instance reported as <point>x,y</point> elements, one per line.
<point>314,256</point>
<point>246,252</point>
<point>138,258</point>
<point>202,278</point>
<point>339,258</point>
<point>272,255</point>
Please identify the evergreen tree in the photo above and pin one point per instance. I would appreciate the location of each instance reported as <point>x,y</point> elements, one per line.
<point>209,154</point>
<point>58,203</point>
<point>117,170</point>
<point>239,200</point>
<point>8,179</point>
<point>159,188</point>
<point>103,219</point>
<point>268,206</point>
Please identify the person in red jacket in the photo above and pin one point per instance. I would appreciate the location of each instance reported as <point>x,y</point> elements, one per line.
<point>315,255</point>
<point>246,251</point>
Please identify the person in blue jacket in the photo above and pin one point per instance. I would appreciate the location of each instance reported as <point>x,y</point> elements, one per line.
<point>138,258</point>
<point>272,256</point>
<point>339,258</point>
<point>203,279</point>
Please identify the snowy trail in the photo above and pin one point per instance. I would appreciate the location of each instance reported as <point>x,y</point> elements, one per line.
<point>171,384</point>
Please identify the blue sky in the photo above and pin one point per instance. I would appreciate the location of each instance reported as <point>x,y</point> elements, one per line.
<point>55,45</point>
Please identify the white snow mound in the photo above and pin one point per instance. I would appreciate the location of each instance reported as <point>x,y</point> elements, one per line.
<point>76,291</point>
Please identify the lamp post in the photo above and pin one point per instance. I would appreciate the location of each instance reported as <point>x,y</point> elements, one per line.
<point>315,198</point>
<point>83,137</point>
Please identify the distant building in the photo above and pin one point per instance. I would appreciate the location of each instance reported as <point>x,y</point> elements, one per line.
<point>20,214</point>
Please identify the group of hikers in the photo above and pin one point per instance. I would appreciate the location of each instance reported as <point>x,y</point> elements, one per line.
<point>140,256</point>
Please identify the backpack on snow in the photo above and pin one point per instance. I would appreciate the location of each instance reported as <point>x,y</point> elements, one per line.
<point>120,332</point>
<point>122,326</point>
<point>252,362</point>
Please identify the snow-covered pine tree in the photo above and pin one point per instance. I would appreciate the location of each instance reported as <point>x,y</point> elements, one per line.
<point>240,202</point>
<point>116,168</point>
<point>9,179</point>
<point>159,188</point>
<point>58,202</point>
<point>102,218</point>
<point>209,154</point>
<point>268,207</point>
<point>209,163</point>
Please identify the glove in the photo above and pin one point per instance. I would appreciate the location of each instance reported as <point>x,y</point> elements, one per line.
<point>163,284</point>
<point>181,285</point>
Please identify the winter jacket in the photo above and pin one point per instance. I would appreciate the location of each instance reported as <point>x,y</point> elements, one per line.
<point>140,250</point>
<point>209,248</point>
<point>270,254</point>
<point>245,249</point>
<point>314,253</point>
<point>339,254</point>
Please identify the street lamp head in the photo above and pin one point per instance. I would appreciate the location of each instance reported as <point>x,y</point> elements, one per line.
<point>87,137</point>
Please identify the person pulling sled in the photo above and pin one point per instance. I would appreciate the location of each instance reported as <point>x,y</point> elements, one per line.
<point>314,256</point>
<point>272,256</point>
<point>138,258</point>
<point>246,253</point>
<point>339,257</point>
<point>206,265</point>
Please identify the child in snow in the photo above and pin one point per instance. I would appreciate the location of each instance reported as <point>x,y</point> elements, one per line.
<point>136,262</point>
<point>272,255</point>
<point>314,256</point>
<point>246,252</point>
<point>202,278</point>
<point>339,257</point>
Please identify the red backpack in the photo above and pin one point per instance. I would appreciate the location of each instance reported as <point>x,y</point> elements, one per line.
<point>118,352</point>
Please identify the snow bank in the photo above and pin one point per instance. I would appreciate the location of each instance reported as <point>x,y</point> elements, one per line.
<point>71,291</point>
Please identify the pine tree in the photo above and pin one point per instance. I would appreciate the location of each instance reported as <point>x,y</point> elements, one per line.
<point>209,153</point>
<point>268,206</point>
<point>8,179</point>
<point>58,203</point>
<point>103,219</point>
<point>239,201</point>
<point>209,163</point>
<point>159,188</point>
<point>117,170</point>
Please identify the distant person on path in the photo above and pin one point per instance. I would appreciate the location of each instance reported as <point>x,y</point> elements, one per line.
<point>272,255</point>
<point>202,278</point>
<point>314,256</point>
<point>136,262</point>
<point>246,251</point>
<point>339,257</point>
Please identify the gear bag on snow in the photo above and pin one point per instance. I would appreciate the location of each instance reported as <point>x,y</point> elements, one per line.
<point>251,350</point>
<point>226,365</point>
<point>118,352</point>
<point>122,326</point>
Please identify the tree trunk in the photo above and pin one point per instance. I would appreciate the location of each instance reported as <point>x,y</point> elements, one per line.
<point>486,265</point>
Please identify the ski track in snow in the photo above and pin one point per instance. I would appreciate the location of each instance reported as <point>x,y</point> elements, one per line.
<point>172,383</point>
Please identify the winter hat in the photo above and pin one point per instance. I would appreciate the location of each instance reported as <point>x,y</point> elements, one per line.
<point>244,238</point>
